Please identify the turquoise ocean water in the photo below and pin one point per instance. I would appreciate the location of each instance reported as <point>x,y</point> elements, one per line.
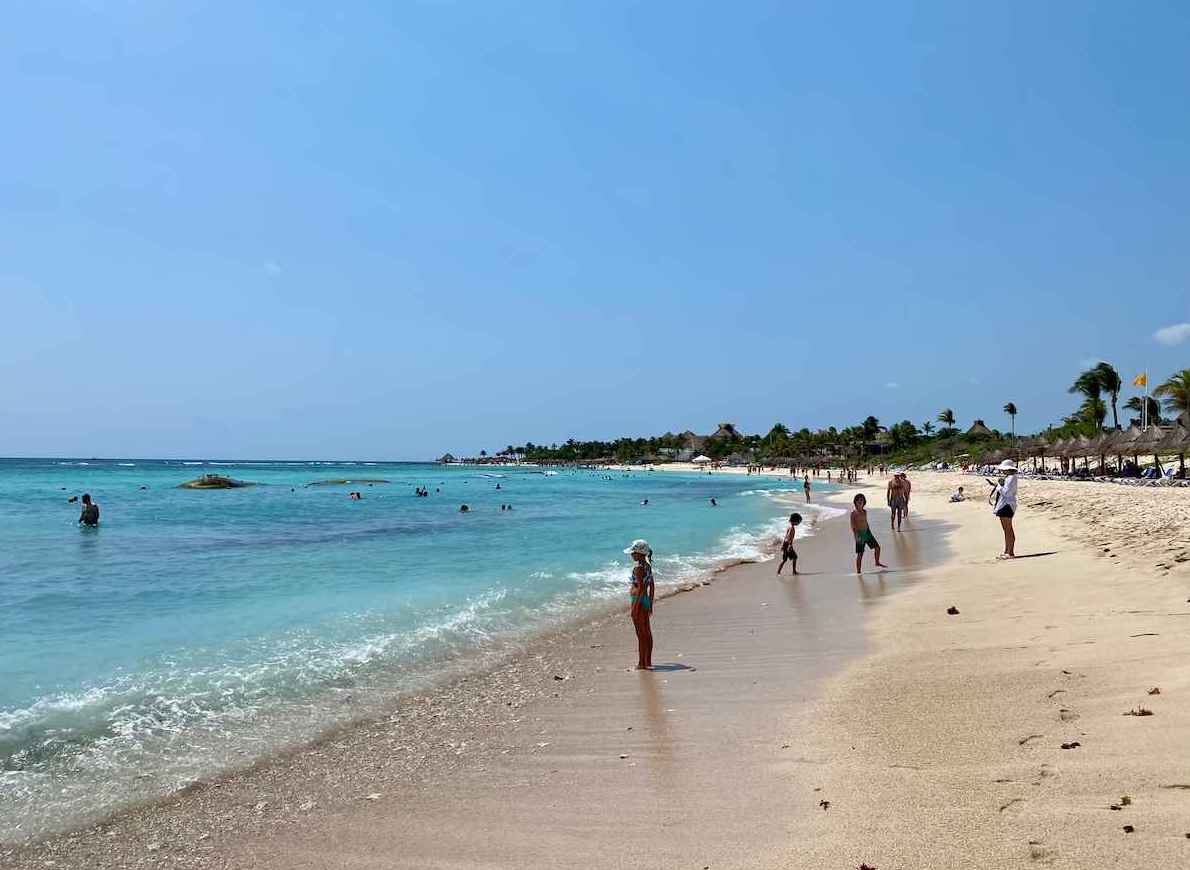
<point>197,630</point>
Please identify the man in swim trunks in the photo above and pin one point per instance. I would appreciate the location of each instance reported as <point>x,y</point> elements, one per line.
<point>863,534</point>
<point>896,501</point>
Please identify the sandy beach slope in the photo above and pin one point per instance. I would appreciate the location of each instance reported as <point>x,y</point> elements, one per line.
<point>821,722</point>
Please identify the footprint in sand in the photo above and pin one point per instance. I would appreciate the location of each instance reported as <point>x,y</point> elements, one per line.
<point>1038,851</point>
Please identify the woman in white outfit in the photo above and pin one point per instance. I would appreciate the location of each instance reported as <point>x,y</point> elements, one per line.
<point>1005,506</point>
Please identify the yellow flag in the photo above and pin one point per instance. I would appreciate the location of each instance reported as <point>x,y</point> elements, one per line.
<point>1141,380</point>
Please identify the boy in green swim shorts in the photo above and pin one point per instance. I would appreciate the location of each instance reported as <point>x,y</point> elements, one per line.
<point>863,534</point>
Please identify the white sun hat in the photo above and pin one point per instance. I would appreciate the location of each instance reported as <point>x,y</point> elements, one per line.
<point>640,545</point>
<point>1006,465</point>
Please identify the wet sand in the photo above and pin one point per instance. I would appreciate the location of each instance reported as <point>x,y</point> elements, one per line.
<point>520,768</point>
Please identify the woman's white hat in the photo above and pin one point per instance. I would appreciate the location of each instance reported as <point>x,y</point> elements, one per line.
<point>1006,465</point>
<point>640,545</point>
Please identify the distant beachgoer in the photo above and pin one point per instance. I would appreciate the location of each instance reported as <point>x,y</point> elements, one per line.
<point>640,597</point>
<point>497,486</point>
<point>806,487</point>
<point>713,502</point>
<point>895,498</point>
<point>828,475</point>
<point>908,487</point>
<point>644,501</point>
<point>90,514</point>
<point>788,554</point>
<point>72,499</point>
<point>863,534</point>
<point>957,495</point>
<point>1005,507</point>
<point>464,508</point>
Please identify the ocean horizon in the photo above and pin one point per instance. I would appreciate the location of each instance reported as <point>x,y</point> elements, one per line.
<point>197,631</point>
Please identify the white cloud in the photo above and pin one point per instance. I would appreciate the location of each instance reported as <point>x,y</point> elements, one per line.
<point>1173,334</point>
<point>272,268</point>
<point>892,385</point>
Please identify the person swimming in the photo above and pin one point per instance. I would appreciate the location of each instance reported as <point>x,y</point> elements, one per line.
<point>90,514</point>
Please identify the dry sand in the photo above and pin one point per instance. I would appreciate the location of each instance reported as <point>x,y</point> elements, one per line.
<point>934,739</point>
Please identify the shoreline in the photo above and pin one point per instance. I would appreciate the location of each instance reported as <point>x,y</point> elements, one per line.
<point>455,672</point>
<point>527,676</point>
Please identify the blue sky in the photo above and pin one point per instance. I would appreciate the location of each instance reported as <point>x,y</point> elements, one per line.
<point>388,230</point>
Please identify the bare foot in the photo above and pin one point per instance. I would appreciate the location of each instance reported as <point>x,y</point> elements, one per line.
<point>881,565</point>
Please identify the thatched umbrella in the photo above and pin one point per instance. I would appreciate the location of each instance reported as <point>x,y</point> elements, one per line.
<point>1057,449</point>
<point>1123,442</point>
<point>1081,446</point>
<point>1146,441</point>
<point>1102,445</point>
<point>1176,440</point>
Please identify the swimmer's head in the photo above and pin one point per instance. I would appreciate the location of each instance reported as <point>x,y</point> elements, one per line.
<point>86,498</point>
<point>860,500</point>
<point>794,519</point>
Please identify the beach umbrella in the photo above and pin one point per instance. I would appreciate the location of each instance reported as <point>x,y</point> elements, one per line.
<point>1101,445</point>
<point>1176,441</point>
<point>702,459</point>
<point>1148,440</point>
<point>1122,444</point>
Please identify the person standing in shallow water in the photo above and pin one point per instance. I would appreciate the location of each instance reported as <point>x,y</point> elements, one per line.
<point>806,487</point>
<point>90,514</point>
<point>640,596</point>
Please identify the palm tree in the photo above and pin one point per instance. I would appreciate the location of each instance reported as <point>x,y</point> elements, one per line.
<point>927,427</point>
<point>1010,410</point>
<point>946,418</point>
<point>1136,404</point>
<point>1087,383</point>
<point>1175,392</point>
<point>870,426</point>
<point>1110,383</point>
<point>1093,410</point>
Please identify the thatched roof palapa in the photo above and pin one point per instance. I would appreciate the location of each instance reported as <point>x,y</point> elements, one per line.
<point>1147,441</point>
<point>1176,440</point>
